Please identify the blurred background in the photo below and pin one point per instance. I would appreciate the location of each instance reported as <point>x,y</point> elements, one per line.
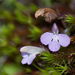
<point>18,27</point>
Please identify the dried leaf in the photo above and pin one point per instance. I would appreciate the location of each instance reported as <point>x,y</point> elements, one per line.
<point>48,13</point>
<point>73,39</point>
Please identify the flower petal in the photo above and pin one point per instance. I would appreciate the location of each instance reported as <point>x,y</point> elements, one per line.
<point>64,40</point>
<point>24,54</point>
<point>46,38</point>
<point>24,60</point>
<point>55,29</point>
<point>31,58</point>
<point>54,46</point>
<point>28,59</point>
<point>31,50</point>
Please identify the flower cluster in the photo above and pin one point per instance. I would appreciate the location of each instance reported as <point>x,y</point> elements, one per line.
<point>53,40</point>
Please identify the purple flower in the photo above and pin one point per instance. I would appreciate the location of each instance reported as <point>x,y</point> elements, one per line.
<point>28,58</point>
<point>29,53</point>
<point>55,40</point>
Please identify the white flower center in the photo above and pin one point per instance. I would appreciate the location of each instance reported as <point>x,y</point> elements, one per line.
<point>55,38</point>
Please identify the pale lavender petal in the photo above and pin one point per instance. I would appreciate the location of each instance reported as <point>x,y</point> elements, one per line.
<point>24,54</point>
<point>64,40</point>
<point>24,60</point>
<point>27,50</point>
<point>54,46</point>
<point>46,38</point>
<point>31,58</point>
<point>55,29</point>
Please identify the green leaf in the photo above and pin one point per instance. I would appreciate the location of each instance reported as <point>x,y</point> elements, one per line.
<point>11,69</point>
<point>70,19</point>
<point>33,7</point>
<point>16,39</point>
<point>35,33</point>
<point>7,15</point>
<point>46,56</point>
